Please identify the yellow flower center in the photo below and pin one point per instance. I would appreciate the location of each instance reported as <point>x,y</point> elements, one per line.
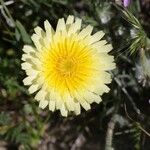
<point>67,65</point>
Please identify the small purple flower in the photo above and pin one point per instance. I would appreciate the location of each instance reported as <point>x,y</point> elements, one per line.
<point>126,3</point>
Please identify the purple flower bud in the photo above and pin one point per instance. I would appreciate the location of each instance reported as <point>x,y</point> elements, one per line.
<point>126,3</point>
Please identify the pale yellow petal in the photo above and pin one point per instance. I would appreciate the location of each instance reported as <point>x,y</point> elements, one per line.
<point>40,80</point>
<point>25,57</point>
<point>101,89</point>
<point>36,62</point>
<point>101,47</point>
<point>40,95</point>
<point>105,77</point>
<point>91,97</point>
<point>52,95</point>
<point>32,72</point>
<point>48,28</point>
<point>96,37</point>
<point>28,49</point>
<point>69,103</point>
<point>85,105</point>
<point>49,33</point>
<point>26,65</point>
<point>75,26</point>
<point>77,108</point>
<point>36,39</point>
<point>59,101</point>
<point>105,48</point>
<point>39,31</point>
<point>28,80</point>
<point>86,31</point>
<point>52,105</point>
<point>82,101</point>
<point>70,19</point>
<point>106,61</point>
<point>101,78</point>
<point>43,104</point>
<point>63,111</point>
<point>61,26</point>
<point>33,88</point>
<point>109,66</point>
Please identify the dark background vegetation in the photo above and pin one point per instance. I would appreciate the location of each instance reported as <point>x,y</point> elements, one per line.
<point>25,126</point>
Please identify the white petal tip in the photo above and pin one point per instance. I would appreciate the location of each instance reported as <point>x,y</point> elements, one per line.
<point>43,104</point>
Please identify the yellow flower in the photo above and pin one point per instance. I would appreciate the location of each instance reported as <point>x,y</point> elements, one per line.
<point>68,66</point>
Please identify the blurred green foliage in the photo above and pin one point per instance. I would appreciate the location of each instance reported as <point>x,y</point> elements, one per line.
<point>24,126</point>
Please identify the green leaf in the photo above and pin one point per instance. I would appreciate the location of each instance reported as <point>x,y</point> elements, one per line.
<point>24,35</point>
<point>17,34</point>
<point>4,118</point>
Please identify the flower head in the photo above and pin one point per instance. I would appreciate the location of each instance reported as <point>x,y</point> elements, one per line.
<point>67,68</point>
